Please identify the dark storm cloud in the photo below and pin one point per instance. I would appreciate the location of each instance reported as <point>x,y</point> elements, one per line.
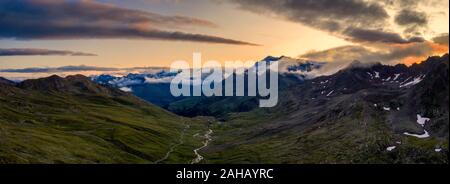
<point>365,35</point>
<point>401,3</point>
<point>361,21</point>
<point>319,12</point>
<point>48,19</point>
<point>410,4</point>
<point>441,39</point>
<point>40,52</point>
<point>411,17</point>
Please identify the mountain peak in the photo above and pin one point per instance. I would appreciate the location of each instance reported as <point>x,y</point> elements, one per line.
<point>431,61</point>
<point>359,64</point>
<point>7,82</point>
<point>71,84</point>
<point>53,82</point>
<point>77,77</point>
<point>272,58</point>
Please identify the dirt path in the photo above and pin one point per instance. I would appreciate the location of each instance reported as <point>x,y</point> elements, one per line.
<point>172,148</point>
<point>205,143</point>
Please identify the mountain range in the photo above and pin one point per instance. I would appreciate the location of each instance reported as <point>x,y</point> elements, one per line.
<point>361,114</point>
<point>376,114</point>
<point>155,88</point>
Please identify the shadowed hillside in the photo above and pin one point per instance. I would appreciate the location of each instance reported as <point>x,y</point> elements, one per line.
<point>72,120</point>
<point>377,114</point>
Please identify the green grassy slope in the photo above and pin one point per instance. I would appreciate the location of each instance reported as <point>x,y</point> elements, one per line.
<point>56,126</point>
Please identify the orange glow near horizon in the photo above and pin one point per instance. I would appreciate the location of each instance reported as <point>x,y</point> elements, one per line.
<point>437,50</point>
<point>408,61</point>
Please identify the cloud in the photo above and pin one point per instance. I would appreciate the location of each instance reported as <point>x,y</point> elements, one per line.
<point>365,35</point>
<point>413,4</point>
<point>83,19</point>
<point>411,17</point>
<point>355,20</point>
<point>319,12</point>
<point>441,39</point>
<point>80,68</point>
<point>413,21</point>
<point>386,54</point>
<point>40,52</point>
<point>366,23</point>
<point>88,69</point>
<point>159,80</point>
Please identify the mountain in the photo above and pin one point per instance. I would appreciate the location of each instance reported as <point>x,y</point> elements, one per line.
<point>221,106</point>
<point>291,72</point>
<point>154,88</point>
<point>6,85</point>
<point>287,65</point>
<point>73,120</point>
<point>6,82</point>
<point>361,114</point>
<point>75,84</point>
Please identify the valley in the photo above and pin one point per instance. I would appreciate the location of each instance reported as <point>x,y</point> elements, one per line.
<point>353,116</point>
<point>360,114</point>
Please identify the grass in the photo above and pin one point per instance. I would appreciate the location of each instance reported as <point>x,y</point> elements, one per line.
<point>361,137</point>
<point>52,127</point>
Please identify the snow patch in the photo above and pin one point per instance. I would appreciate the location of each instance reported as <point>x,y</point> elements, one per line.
<point>377,74</point>
<point>390,148</point>
<point>396,76</point>
<point>126,89</point>
<point>331,92</point>
<point>371,76</point>
<point>386,108</point>
<point>424,135</point>
<point>438,150</point>
<point>415,81</point>
<point>422,120</point>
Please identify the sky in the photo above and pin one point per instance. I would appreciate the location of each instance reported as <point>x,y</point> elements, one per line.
<point>143,33</point>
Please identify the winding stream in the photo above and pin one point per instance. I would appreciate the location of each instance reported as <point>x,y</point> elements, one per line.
<point>205,143</point>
